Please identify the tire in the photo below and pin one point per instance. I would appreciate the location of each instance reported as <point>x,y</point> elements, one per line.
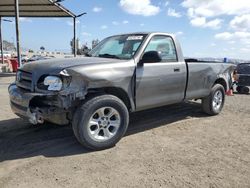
<point>239,89</point>
<point>242,89</point>
<point>214,102</point>
<point>245,90</point>
<point>100,122</point>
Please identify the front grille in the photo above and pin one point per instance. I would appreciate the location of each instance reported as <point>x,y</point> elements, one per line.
<point>24,80</point>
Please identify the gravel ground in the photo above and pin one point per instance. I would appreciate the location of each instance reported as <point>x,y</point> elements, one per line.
<point>175,146</point>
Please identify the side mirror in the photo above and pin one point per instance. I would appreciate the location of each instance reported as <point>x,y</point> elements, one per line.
<point>151,57</point>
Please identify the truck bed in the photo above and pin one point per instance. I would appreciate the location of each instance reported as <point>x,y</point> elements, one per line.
<point>202,76</point>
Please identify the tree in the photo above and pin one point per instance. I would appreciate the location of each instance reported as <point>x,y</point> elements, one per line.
<point>8,46</point>
<point>94,43</point>
<point>72,45</point>
<point>84,50</point>
<point>42,48</point>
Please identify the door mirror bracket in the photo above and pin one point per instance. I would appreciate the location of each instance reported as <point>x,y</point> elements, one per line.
<point>151,57</point>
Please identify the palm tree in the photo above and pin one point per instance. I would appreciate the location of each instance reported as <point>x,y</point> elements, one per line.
<point>42,48</point>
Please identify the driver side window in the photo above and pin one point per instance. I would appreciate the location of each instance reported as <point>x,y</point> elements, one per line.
<point>165,47</point>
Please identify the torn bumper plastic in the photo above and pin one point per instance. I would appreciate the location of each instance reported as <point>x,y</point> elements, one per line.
<point>37,107</point>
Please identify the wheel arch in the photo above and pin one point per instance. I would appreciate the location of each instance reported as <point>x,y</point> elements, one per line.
<point>118,92</point>
<point>222,82</point>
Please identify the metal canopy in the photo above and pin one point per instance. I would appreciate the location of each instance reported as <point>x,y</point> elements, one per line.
<point>34,8</point>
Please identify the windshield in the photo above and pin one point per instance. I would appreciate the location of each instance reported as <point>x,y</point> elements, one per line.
<point>119,47</point>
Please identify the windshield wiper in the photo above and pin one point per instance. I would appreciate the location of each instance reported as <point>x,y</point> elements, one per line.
<point>109,56</point>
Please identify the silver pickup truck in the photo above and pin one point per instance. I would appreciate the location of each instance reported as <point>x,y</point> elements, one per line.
<point>122,74</point>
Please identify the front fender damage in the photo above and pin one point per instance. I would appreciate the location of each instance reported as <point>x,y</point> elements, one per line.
<point>58,107</point>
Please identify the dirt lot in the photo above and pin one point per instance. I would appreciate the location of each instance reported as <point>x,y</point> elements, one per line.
<point>176,146</point>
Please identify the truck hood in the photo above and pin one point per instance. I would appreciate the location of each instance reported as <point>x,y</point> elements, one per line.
<point>54,66</point>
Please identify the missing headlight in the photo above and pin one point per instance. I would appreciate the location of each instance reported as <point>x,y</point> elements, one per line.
<point>54,83</point>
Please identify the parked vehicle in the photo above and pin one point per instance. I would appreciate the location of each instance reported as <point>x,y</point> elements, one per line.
<point>24,58</point>
<point>39,58</point>
<point>6,54</point>
<point>243,78</point>
<point>123,74</point>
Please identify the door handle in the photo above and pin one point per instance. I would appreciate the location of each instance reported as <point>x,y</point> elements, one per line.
<point>176,69</point>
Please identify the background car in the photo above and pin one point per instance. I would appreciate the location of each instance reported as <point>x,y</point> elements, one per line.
<point>24,58</point>
<point>243,78</point>
<point>39,57</point>
<point>5,54</point>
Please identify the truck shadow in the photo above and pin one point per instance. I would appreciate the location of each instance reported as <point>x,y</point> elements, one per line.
<point>19,139</point>
<point>149,119</point>
<point>236,93</point>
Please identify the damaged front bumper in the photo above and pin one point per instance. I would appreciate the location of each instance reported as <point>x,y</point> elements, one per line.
<point>39,107</point>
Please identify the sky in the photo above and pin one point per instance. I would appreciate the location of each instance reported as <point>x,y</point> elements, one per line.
<point>211,28</point>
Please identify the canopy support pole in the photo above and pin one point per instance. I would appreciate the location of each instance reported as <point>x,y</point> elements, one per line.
<point>17,34</point>
<point>74,43</point>
<point>1,40</point>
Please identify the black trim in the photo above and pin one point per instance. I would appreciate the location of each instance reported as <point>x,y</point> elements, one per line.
<point>187,79</point>
<point>19,107</point>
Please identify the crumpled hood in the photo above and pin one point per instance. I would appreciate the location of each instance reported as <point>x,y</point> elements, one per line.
<point>54,66</point>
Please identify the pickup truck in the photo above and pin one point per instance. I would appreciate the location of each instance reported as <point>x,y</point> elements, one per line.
<point>122,74</point>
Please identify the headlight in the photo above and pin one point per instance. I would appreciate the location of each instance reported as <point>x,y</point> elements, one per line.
<point>54,83</point>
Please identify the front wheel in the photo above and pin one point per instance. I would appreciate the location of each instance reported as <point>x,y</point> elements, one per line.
<point>214,102</point>
<point>100,122</point>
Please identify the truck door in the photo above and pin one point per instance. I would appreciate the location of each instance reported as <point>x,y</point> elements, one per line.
<point>160,83</point>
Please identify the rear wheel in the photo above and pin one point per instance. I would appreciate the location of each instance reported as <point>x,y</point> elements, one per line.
<point>100,122</point>
<point>214,102</point>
